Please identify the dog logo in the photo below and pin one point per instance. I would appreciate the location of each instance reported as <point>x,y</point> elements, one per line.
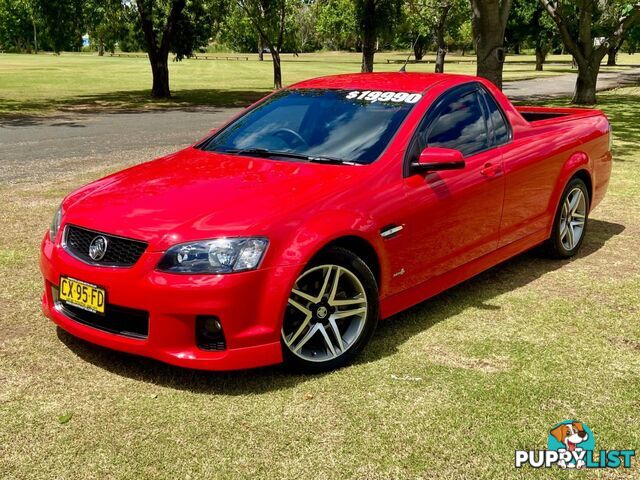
<point>571,444</point>
<point>571,436</point>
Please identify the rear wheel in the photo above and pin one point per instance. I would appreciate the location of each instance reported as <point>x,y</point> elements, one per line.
<point>331,313</point>
<point>570,223</point>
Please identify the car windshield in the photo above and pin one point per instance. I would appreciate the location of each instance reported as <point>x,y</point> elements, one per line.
<point>317,125</point>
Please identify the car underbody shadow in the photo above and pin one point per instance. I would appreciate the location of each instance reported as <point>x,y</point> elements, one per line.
<point>478,291</point>
<point>391,334</point>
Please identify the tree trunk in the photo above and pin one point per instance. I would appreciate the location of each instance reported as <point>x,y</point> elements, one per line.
<point>585,91</point>
<point>442,52</point>
<point>442,49</point>
<point>160,72</point>
<point>35,37</point>
<point>540,58</point>
<point>260,49</point>
<point>159,53</point>
<point>418,49</point>
<point>100,48</point>
<point>277,69</point>
<point>516,49</point>
<point>368,36</point>
<point>489,21</point>
<point>490,58</point>
<point>612,52</point>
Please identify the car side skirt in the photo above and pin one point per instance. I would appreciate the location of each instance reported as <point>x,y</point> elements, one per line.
<point>414,295</point>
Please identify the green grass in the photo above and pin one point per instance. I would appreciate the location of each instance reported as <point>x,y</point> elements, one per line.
<point>446,390</point>
<point>44,84</point>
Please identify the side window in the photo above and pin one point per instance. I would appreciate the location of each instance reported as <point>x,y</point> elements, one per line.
<point>459,124</point>
<point>501,131</point>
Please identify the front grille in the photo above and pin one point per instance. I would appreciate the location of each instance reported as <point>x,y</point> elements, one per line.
<point>116,319</point>
<point>121,252</point>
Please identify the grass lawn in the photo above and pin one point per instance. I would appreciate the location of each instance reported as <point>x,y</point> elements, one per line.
<point>41,84</point>
<point>446,390</point>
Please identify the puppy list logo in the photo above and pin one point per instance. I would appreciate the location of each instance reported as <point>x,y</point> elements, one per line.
<point>571,444</point>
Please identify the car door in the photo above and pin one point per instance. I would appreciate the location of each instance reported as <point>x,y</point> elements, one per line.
<point>454,216</point>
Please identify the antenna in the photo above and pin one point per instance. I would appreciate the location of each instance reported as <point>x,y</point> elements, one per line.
<point>404,67</point>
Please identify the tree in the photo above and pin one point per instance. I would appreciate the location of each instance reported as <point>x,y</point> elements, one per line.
<point>304,28</point>
<point>440,19</point>
<point>62,21</point>
<point>414,29</point>
<point>159,24</point>
<point>464,37</point>
<point>337,24</point>
<point>489,21</point>
<point>632,42</point>
<point>16,26</point>
<point>238,33</point>
<point>575,22</point>
<point>529,24</point>
<point>543,36</point>
<point>373,18</point>
<point>105,22</point>
<point>269,19</point>
<point>174,26</point>
<point>610,13</point>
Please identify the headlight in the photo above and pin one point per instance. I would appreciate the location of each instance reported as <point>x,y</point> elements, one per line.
<point>55,224</point>
<point>222,255</point>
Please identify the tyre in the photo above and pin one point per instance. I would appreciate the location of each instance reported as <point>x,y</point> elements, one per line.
<point>331,313</point>
<point>570,223</point>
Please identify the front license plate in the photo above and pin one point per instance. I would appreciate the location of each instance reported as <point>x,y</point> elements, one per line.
<point>82,294</point>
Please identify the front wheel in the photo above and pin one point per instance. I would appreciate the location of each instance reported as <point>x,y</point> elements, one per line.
<point>570,222</point>
<point>331,313</point>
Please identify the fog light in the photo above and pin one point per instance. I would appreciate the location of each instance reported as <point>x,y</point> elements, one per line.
<point>209,335</point>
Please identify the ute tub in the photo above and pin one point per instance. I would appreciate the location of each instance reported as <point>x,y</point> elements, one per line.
<point>541,114</point>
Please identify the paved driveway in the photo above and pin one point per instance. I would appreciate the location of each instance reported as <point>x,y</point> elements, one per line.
<point>563,85</point>
<point>45,149</point>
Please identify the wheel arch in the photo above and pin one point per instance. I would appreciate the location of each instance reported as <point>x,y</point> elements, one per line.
<point>358,246</point>
<point>577,165</point>
<point>584,175</point>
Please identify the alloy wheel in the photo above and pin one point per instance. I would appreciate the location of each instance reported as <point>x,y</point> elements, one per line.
<point>326,314</point>
<point>572,218</point>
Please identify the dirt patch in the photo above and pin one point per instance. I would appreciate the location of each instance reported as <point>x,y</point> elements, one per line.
<point>11,331</point>
<point>441,356</point>
<point>626,343</point>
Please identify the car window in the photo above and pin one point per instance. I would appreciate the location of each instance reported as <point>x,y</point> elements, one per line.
<point>344,124</point>
<point>501,131</point>
<point>460,124</point>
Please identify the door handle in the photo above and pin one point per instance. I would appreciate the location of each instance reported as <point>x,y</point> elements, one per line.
<point>491,170</point>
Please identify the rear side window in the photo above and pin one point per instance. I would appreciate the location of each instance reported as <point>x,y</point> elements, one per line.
<point>460,124</point>
<point>501,133</point>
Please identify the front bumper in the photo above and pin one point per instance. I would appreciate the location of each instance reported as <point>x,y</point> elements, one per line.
<point>249,305</point>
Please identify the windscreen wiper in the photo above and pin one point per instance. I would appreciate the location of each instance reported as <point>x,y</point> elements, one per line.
<point>263,152</point>
<point>331,160</point>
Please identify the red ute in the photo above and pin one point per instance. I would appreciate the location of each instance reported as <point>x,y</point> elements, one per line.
<point>290,231</point>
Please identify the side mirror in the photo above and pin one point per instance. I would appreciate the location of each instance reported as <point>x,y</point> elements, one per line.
<point>434,159</point>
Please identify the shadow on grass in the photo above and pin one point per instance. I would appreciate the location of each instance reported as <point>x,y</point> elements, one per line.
<point>622,111</point>
<point>481,289</point>
<point>19,112</point>
<point>474,293</point>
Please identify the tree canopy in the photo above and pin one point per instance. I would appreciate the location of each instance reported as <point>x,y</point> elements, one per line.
<point>587,29</point>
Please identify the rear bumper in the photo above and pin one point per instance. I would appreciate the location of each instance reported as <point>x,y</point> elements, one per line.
<point>249,305</point>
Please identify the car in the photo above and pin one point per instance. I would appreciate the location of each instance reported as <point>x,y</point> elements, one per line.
<point>286,234</point>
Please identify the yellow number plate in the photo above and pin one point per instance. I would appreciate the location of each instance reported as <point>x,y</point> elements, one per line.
<point>82,294</point>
